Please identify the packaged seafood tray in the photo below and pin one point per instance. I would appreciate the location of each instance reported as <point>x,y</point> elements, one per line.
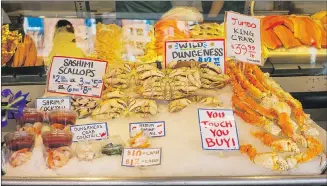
<point>295,38</point>
<point>19,146</point>
<point>57,148</point>
<point>31,121</point>
<point>62,119</point>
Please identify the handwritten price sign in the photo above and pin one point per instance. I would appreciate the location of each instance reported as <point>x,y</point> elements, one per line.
<point>93,131</point>
<point>141,157</point>
<point>243,38</point>
<point>76,76</point>
<point>218,129</point>
<point>154,129</point>
<point>210,50</point>
<point>49,104</point>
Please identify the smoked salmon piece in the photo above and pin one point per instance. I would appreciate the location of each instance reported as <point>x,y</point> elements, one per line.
<point>286,36</point>
<point>288,23</point>
<point>270,39</point>
<point>269,22</point>
<point>306,31</point>
<point>323,34</point>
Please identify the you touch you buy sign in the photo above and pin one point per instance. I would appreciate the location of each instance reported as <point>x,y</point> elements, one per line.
<point>218,129</point>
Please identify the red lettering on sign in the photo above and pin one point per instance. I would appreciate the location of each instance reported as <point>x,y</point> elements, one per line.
<point>223,124</point>
<point>215,114</point>
<point>243,23</point>
<point>219,132</point>
<point>210,142</point>
<point>220,142</point>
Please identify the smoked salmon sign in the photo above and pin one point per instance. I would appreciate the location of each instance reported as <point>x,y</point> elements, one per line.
<point>218,129</point>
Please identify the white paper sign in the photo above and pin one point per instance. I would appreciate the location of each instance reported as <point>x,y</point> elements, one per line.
<point>243,38</point>
<point>153,129</point>
<point>49,104</point>
<point>76,76</point>
<point>210,50</point>
<point>93,131</point>
<point>134,157</point>
<point>218,129</point>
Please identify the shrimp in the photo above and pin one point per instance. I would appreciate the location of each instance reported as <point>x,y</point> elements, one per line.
<point>58,157</point>
<point>19,157</point>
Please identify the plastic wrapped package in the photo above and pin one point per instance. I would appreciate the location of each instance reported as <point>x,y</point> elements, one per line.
<point>139,140</point>
<point>62,119</point>
<point>32,121</point>
<point>114,146</point>
<point>19,146</point>
<point>57,148</point>
<point>88,150</point>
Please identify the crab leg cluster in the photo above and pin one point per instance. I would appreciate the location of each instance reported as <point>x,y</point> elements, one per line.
<point>270,160</point>
<point>212,76</point>
<point>117,77</point>
<point>167,85</point>
<point>111,106</point>
<point>115,104</point>
<point>83,105</point>
<point>179,104</point>
<point>260,101</point>
<point>277,145</point>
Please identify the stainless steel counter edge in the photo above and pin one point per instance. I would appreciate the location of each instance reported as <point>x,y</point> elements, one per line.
<point>224,180</point>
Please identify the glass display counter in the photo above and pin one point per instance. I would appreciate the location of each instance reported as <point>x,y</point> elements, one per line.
<point>139,84</point>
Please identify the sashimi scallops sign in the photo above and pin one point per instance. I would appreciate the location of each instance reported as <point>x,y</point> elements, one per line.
<point>76,76</point>
<point>210,50</point>
<point>218,129</point>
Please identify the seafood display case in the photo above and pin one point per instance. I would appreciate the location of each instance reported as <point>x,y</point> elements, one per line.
<point>144,92</point>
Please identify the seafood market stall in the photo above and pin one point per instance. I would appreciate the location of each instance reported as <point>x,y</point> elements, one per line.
<point>186,97</point>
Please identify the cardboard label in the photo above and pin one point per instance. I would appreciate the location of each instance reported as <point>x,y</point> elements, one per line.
<point>76,76</point>
<point>218,129</point>
<point>93,131</point>
<point>243,38</point>
<point>133,157</point>
<point>153,129</point>
<point>210,50</point>
<point>49,104</point>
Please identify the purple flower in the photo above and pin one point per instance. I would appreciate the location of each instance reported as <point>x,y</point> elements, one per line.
<point>15,107</point>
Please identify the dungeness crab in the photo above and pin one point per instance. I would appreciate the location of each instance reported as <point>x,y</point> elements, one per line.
<point>177,84</point>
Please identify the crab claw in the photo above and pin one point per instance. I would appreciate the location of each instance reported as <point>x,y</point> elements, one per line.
<point>300,140</point>
<point>154,72</point>
<point>178,105</point>
<point>177,72</point>
<point>152,107</point>
<point>118,103</point>
<point>211,101</point>
<point>272,161</point>
<point>136,103</point>
<point>145,67</point>
<point>114,94</point>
